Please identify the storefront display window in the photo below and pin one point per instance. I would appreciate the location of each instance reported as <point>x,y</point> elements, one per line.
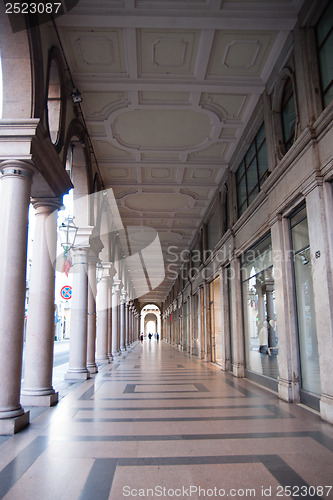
<point>260,328</point>
<point>307,333</point>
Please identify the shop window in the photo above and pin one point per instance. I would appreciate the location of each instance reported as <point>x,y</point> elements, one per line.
<point>252,172</point>
<point>258,292</point>
<point>307,333</point>
<point>324,33</point>
<point>288,114</point>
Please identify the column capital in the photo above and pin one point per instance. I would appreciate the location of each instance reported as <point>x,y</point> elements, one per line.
<point>46,204</point>
<point>93,259</point>
<point>116,286</point>
<point>17,168</point>
<point>123,296</point>
<point>34,151</point>
<point>109,270</point>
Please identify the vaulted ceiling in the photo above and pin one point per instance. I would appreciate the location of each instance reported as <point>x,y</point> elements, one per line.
<point>168,87</point>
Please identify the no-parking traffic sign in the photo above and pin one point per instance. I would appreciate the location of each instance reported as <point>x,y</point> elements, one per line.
<point>66,292</point>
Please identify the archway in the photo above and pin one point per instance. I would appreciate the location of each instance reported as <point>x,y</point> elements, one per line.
<point>150,320</point>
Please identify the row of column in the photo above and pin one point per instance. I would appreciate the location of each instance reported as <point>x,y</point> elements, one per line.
<point>95,342</point>
<point>117,319</point>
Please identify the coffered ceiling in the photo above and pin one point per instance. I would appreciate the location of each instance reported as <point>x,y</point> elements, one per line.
<point>168,87</point>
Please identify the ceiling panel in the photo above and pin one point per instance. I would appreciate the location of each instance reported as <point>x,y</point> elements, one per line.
<point>161,129</point>
<point>96,50</point>
<point>99,105</point>
<point>167,51</point>
<point>168,88</point>
<point>153,97</point>
<point>161,174</point>
<point>240,53</point>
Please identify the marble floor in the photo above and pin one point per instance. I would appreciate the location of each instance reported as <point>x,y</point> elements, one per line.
<point>158,423</point>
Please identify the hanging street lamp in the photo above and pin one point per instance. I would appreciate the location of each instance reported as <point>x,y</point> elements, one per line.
<point>67,233</point>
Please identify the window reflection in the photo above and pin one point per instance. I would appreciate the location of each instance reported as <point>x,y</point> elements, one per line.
<point>261,337</point>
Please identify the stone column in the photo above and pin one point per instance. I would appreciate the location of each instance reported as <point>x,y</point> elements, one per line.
<point>132,324</point>
<point>118,318</point>
<point>14,204</point>
<point>122,320</point>
<point>37,389</point>
<point>110,286</point>
<point>138,326</point>
<point>91,315</point>
<point>115,317</point>
<point>102,320</point>
<point>127,343</point>
<point>77,369</point>
<point>135,326</point>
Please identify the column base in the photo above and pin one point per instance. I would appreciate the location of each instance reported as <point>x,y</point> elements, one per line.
<point>77,375</point>
<point>92,368</point>
<point>288,391</point>
<point>36,400</point>
<point>9,426</point>
<point>326,408</point>
<point>111,358</point>
<point>238,371</point>
<point>102,360</point>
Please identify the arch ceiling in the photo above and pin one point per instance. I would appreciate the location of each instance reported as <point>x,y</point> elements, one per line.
<point>151,317</point>
<point>168,87</point>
